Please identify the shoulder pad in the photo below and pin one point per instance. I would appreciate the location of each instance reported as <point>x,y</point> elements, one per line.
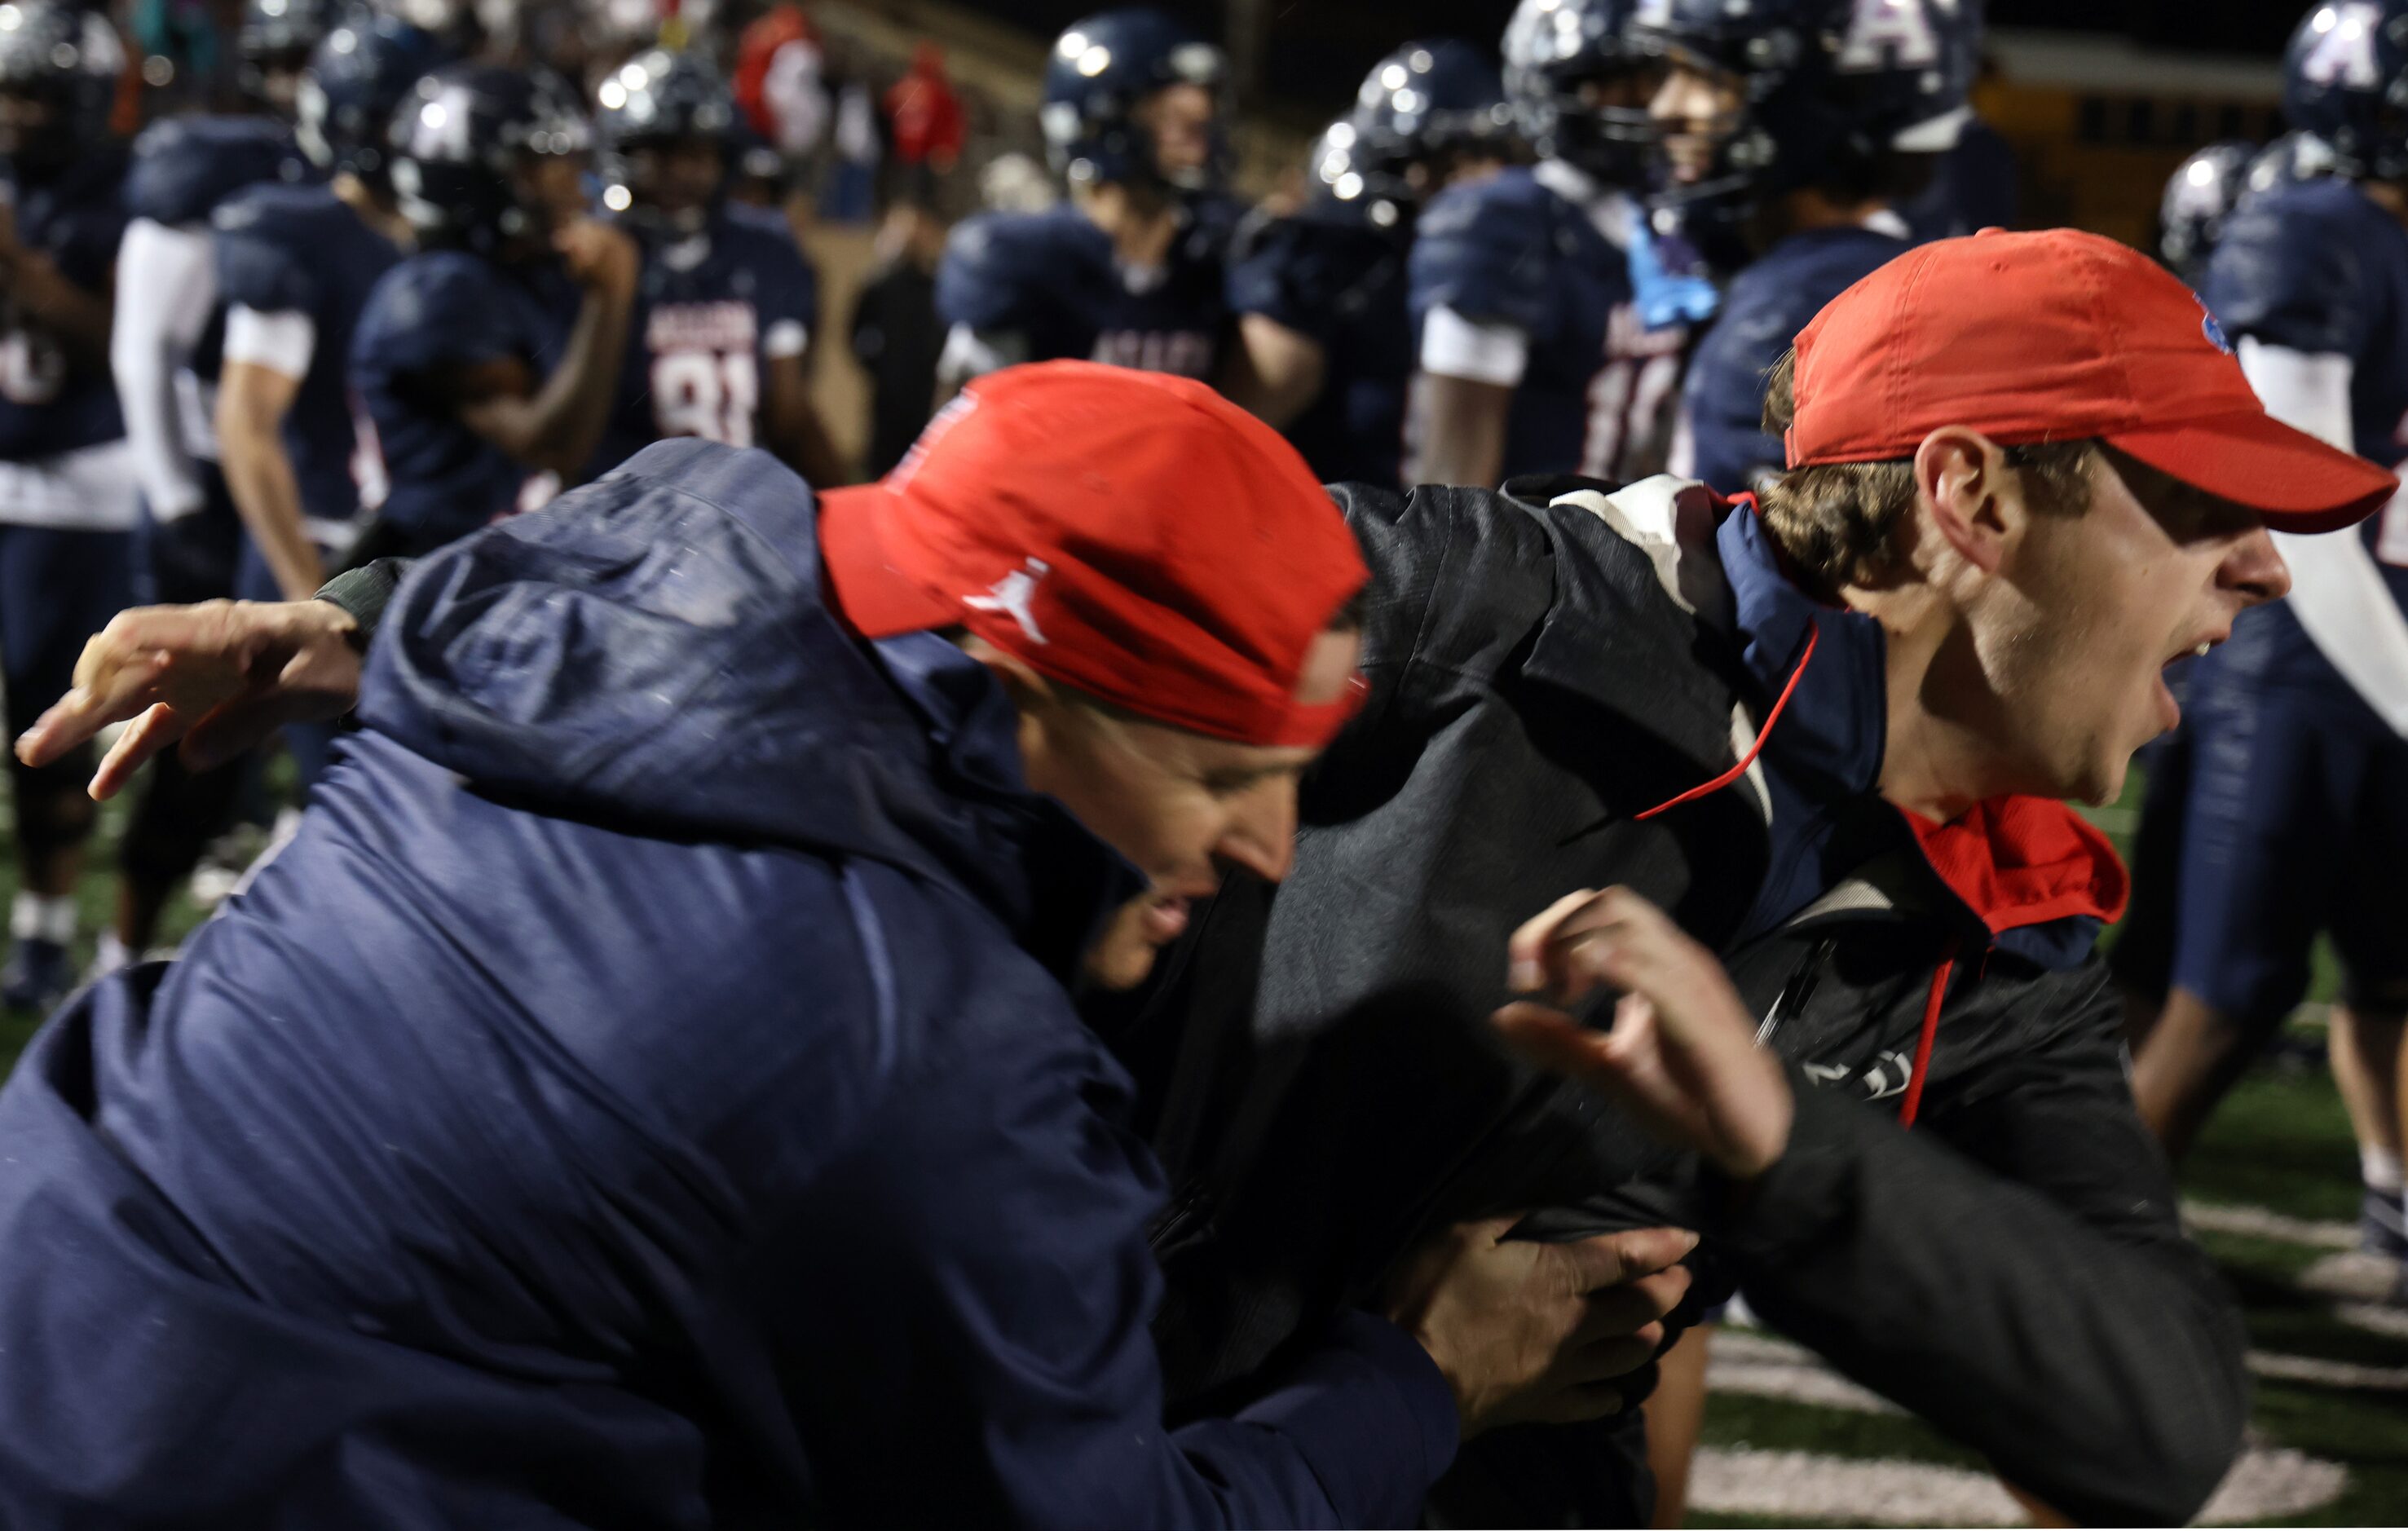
<point>431,308</point>
<point>1487,250</point>
<point>184,167</point>
<point>996,265</point>
<point>1217,219</point>
<point>2291,269</point>
<point>1295,269</point>
<point>262,261</point>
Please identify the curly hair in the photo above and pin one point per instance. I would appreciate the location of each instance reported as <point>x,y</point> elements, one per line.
<point>1838,523</point>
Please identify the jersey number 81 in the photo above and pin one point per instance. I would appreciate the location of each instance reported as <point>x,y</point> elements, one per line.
<point>708,393</point>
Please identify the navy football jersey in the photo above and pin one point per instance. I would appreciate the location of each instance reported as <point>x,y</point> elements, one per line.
<point>1050,280</point>
<point>1328,273</point>
<point>300,249</point>
<point>711,311</point>
<point>49,403</point>
<point>1763,309</point>
<point>2315,266</point>
<point>184,167</point>
<point>1599,386</point>
<point>432,313</point>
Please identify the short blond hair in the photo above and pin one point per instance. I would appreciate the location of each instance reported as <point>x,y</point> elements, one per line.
<point>1838,523</point>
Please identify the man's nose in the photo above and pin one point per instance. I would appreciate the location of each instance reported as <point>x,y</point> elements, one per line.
<point>2254,567</point>
<point>1261,837</point>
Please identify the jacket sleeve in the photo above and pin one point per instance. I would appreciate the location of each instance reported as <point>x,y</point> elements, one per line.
<point>974,1331</point>
<point>2013,1270</point>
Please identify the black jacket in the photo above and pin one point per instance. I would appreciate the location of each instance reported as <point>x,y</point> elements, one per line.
<point>1324,1086</point>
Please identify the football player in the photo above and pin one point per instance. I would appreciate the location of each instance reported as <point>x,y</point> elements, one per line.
<point>1131,270</point>
<point>488,361</point>
<point>162,343</point>
<point>1789,130</point>
<point>164,354</point>
<point>1325,330</point>
<point>726,305</point>
<point>67,487</point>
<point>2295,817</point>
<point>1533,356</point>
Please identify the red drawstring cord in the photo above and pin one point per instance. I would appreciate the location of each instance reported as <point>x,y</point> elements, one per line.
<point>1748,759</point>
<point>1930,1029</point>
<point>1947,963</point>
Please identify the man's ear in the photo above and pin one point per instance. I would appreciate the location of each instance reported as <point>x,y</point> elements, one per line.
<point>1029,691</point>
<point>1961,480</point>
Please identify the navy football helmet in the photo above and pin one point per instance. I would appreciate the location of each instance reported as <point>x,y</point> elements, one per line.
<point>2345,79</point>
<point>357,77</point>
<point>457,24</point>
<point>1430,99</point>
<point>1829,88</point>
<point>2203,194</point>
<point>1553,50</point>
<point>459,140</point>
<point>277,38</point>
<point>69,60</point>
<point>1099,71</point>
<point>2288,159</point>
<point>658,97</point>
<point>1422,103</point>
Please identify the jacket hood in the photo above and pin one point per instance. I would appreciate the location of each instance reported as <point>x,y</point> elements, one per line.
<point>654,650</point>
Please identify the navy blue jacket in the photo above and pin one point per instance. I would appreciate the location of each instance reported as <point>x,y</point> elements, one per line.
<point>644,1094</point>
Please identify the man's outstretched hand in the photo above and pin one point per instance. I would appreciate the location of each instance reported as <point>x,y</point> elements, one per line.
<point>1681,1057</point>
<point>220,676</point>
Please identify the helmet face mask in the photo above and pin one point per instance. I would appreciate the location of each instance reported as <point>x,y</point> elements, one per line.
<point>59,72</point>
<point>2346,80</point>
<point>672,182</point>
<point>1133,99</point>
<point>666,126</point>
<point>275,44</point>
<point>490,159</point>
<point>1578,88</point>
<point>29,138</point>
<point>1765,98</point>
<point>343,106</point>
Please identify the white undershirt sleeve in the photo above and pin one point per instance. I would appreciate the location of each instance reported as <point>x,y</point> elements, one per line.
<point>166,284</point>
<point>2338,594</point>
<point>283,341</point>
<point>1455,347</point>
<point>974,353</point>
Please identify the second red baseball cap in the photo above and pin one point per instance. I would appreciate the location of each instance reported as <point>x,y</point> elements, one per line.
<point>1130,533</point>
<point>2059,335</point>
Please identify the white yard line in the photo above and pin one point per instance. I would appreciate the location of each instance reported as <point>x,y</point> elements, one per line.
<point>2375,1318</point>
<point>2324,1373</point>
<point>2264,1223</point>
<point>1762,1367</point>
<point>2263,1486</point>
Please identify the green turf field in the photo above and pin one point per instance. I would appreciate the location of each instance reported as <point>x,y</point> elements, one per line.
<point>1788,1443</point>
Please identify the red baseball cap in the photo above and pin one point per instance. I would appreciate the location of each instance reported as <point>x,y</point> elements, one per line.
<point>1130,533</point>
<point>2059,335</point>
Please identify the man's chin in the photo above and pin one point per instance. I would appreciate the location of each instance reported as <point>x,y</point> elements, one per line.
<point>1121,963</point>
